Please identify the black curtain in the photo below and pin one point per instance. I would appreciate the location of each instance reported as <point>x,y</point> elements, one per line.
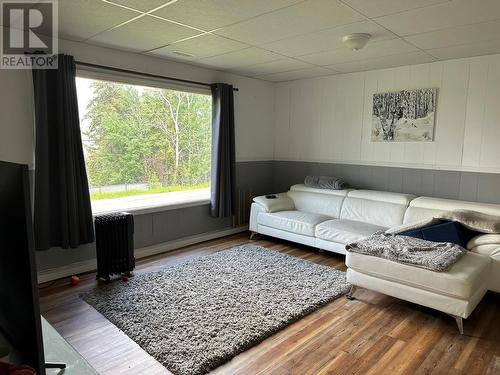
<point>223,178</point>
<point>62,211</point>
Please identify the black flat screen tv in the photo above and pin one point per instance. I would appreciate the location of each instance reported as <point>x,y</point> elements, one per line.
<point>20,320</point>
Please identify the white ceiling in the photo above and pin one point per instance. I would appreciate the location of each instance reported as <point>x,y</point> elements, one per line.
<point>280,40</point>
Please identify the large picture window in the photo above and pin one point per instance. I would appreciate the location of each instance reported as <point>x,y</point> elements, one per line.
<point>144,146</point>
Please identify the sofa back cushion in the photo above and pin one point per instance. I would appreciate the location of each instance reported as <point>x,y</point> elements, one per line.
<point>307,189</point>
<point>376,207</point>
<point>319,201</point>
<point>423,208</point>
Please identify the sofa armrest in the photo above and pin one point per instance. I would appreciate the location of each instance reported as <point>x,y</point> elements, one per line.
<point>255,210</point>
<point>486,244</point>
<point>282,202</point>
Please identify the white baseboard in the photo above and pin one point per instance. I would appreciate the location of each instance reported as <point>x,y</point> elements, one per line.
<point>67,270</point>
<point>91,264</point>
<point>186,241</point>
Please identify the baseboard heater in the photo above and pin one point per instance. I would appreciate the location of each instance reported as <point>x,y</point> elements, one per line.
<point>114,244</point>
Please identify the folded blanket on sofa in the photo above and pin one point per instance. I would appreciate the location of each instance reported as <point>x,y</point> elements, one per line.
<point>412,226</point>
<point>473,220</point>
<point>325,182</point>
<point>434,256</point>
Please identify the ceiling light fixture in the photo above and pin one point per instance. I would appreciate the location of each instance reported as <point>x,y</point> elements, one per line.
<point>356,41</point>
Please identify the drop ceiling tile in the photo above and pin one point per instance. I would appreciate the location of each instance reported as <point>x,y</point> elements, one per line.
<point>372,50</point>
<point>450,14</point>
<point>297,74</point>
<point>205,45</point>
<point>212,14</point>
<point>325,40</point>
<point>466,50</point>
<point>142,5</point>
<point>81,19</point>
<point>372,8</point>
<point>417,57</point>
<point>144,34</point>
<point>244,57</point>
<point>277,66</point>
<point>459,35</point>
<point>305,17</point>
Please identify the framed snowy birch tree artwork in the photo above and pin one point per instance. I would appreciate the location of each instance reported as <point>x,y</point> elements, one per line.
<point>404,116</point>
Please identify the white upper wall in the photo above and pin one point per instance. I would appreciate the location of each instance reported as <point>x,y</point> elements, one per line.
<point>254,102</point>
<point>322,119</point>
<point>329,118</point>
<point>16,116</point>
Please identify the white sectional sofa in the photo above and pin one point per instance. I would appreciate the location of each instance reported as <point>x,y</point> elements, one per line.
<point>329,219</point>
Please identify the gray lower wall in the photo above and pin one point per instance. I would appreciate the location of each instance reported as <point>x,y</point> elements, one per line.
<point>469,186</point>
<point>252,178</point>
<point>263,177</point>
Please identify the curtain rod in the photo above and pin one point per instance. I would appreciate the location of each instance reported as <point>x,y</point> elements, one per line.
<point>126,71</point>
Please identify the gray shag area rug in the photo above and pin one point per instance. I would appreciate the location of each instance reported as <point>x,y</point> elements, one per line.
<point>195,316</point>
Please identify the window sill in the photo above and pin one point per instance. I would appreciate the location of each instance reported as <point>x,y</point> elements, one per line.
<point>147,204</point>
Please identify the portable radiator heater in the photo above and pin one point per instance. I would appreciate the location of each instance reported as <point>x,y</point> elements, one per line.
<point>114,244</point>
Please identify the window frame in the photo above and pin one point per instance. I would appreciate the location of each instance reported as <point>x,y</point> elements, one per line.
<point>139,80</point>
<point>104,74</point>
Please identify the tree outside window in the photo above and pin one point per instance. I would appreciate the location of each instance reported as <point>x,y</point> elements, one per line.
<point>143,140</point>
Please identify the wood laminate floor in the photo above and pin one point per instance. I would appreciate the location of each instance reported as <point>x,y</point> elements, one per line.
<point>373,334</point>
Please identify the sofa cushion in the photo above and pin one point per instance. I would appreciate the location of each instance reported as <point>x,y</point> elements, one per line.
<point>345,231</point>
<point>412,226</point>
<point>484,239</point>
<point>280,202</point>
<point>292,221</point>
<point>307,189</point>
<point>426,207</point>
<point>474,220</point>
<point>416,233</point>
<point>462,280</point>
<point>323,204</point>
<point>375,207</point>
<point>491,250</point>
<point>450,231</point>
